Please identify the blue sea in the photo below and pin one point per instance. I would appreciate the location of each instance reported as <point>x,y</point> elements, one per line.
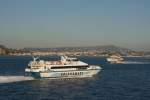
<point>128,81</point>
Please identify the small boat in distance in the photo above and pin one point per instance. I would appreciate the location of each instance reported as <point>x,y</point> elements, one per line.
<point>115,58</point>
<point>65,68</point>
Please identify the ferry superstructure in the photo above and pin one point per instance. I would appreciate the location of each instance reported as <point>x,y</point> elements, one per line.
<point>65,68</point>
<point>116,58</point>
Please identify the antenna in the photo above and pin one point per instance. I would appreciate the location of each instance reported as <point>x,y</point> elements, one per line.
<point>35,58</point>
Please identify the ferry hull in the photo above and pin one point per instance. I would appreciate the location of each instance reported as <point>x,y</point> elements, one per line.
<point>111,60</point>
<point>63,74</point>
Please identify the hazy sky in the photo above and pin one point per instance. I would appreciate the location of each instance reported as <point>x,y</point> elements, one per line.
<point>54,23</point>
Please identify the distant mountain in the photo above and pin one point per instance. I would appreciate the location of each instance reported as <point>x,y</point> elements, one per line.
<point>2,46</point>
<point>3,50</point>
<point>104,48</point>
<point>112,48</point>
<point>89,50</point>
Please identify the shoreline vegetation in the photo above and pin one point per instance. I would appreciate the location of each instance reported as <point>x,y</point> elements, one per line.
<point>104,50</point>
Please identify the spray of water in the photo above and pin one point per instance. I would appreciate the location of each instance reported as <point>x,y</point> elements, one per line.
<point>134,62</point>
<point>9,79</point>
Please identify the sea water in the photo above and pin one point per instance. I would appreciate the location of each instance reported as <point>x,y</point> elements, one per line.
<point>128,81</point>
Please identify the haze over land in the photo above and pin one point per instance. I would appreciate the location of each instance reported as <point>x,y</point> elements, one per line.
<point>59,23</point>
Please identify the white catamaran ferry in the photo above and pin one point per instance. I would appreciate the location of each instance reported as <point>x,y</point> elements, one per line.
<point>115,58</point>
<point>65,68</point>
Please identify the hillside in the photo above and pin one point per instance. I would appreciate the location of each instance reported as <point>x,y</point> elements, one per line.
<point>3,50</point>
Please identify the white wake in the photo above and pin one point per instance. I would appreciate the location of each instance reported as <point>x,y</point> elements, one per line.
<point>134,62</point>
<point>8,79</point>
